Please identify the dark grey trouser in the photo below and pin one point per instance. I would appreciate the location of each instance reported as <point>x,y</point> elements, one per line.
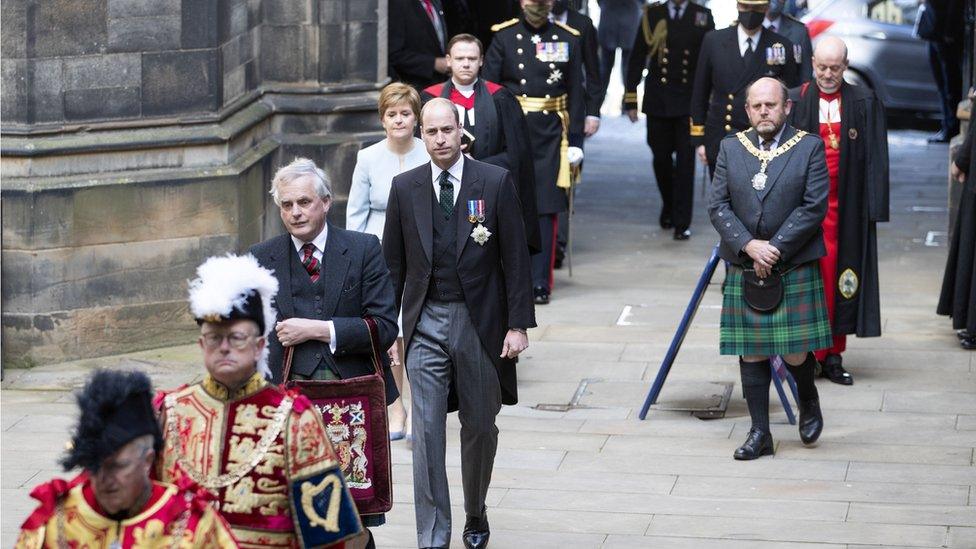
<point>445,349</point>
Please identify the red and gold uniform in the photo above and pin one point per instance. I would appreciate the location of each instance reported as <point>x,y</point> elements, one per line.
<point>69,516</point>
<point>264,453</point>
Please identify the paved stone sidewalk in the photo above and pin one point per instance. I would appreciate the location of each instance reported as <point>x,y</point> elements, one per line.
<point>894,466</point>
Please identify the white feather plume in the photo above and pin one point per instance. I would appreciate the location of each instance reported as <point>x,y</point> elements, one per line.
<point>223,284</point>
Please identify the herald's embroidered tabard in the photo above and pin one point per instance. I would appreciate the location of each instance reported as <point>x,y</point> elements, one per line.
<point>264,453</point>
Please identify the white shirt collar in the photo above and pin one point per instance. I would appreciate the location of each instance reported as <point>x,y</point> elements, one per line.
<point>464,87</point>
<point>742,39</point>
<point>768,23</point>
<point>674,8</point>
<point>455,172</point>
<point>318,241</point>
<point>560,18</point>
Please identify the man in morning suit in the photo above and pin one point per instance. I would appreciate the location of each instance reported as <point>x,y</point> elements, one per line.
<point>464,291</point>
<point>767,201</point>
<point>418,38</point>
<point>667,45</point>
<point>730,60</point>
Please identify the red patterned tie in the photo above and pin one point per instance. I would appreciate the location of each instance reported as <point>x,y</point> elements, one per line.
<point>309,262</point>
<point>429,8</point>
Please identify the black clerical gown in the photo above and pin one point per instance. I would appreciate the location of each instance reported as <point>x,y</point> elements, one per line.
<point>501,138</point>
<point>958,298</point>
<point>862,201</point>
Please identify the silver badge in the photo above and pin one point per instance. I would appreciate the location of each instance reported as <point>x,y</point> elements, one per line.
<point>759,181</point>
<point>555,76</point>
<point>536,39</point>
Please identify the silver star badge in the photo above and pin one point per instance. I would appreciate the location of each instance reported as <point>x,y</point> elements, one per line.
<point>536,39</point>
<point>555,76</point>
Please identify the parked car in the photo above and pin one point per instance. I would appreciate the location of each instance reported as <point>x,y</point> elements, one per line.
<point>883,52</point>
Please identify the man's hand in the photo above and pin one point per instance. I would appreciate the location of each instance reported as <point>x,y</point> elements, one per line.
<point>295,331</point>
<point>441,66</point>
<point>956,173</point>
<point>701,154</point>
<point>516,341</point>
<point>394,354</point>
<point>632,115</point>
<point>764,255</point>
<point>591,126</point>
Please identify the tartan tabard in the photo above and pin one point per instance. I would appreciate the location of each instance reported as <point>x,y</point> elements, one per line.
<point>799,324</point>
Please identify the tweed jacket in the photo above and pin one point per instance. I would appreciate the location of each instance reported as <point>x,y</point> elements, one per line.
<point>787,212</point>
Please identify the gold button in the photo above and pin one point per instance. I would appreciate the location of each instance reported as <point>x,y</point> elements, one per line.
<point>687,52</point>
<point>728,108</point>
<point>664,61</point>
<point>665,50</point>
<point>728,128</point>
<point>519,51</point>
<point>684,61</point>
<point>554,37</point>
<point>519,36</point>
<point>522,81</point>
<point>731,97</point>
<point>684,80</point>
<point>547,96</point>
<point>664,70</point>
<point>684,71</point>
<point>664,80</point>
<point>545,111</point>
<point>552,65</point>
<point>728,118</point>
<point>521,66</point>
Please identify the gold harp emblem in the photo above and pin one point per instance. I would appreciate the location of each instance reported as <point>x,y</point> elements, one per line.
<point>309,490</point>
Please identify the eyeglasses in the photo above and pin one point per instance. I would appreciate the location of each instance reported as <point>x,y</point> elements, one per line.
<point>236,340</point>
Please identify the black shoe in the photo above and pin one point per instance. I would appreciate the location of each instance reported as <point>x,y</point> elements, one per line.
<point>757,444</point>
<point>969,343</point>
<point>665,221</point>
<point>682,235</point>
<point>541,295</point>
<point>557,262</point>
<point>963,334</point>
<point>941,137</point>
<point>811,420</point>
<point>476,532</point>
<point>834,371</point>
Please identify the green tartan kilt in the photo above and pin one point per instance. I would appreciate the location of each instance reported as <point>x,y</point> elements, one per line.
<point>799,324</point>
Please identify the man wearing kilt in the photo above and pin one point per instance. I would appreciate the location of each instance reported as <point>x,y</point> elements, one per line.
<point>767,202</point>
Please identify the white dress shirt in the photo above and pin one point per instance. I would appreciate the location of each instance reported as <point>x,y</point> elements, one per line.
<point>772,25</point>
<point>319,243</point>
<point>743,38</point>
<point>676,11</point>
<point>454,176</point>
<point>776,139</point>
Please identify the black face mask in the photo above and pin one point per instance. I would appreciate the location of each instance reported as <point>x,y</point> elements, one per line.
<point>751,20</point>
<point>560,7</point>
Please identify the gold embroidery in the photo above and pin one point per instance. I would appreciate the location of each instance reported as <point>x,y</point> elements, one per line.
<point>331,520</point>
<point>242,498</point>
<point>152,534</point>
<point>247,461</point>
<point>219,391</point>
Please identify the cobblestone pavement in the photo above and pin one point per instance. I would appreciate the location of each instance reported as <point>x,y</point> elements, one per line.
<point>577,469</point>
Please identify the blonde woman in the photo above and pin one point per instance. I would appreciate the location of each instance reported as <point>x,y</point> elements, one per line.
<point>399,110</point>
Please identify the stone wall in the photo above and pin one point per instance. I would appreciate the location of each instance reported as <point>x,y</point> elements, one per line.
<point>140,138</point>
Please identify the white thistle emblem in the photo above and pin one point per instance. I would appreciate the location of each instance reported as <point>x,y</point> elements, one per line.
<point>536,39</point>
<point>555,76</point>
<point>480,234</point>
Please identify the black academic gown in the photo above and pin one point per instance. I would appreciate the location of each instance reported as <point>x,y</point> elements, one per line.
<point>958,297</point>
<point>862,198</point>
<point>502,139</point>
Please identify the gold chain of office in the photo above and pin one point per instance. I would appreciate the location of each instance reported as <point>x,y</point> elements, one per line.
<point>233,476</point>
<point>759,179</point>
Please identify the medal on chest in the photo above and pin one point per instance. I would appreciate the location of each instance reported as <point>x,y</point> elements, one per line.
<point>552,52</point>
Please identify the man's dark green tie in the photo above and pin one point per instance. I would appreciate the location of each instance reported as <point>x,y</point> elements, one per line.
<point>447,194</point>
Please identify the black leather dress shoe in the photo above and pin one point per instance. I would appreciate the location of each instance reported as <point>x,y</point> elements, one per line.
<point>665,221</point>
<point>833,370</point>
<point>968,343</point>
<point>963,334</point>
<point>682,235</point>
<point>941,137</point>
<point>541,295</point>
<point>757,444</point>
<point>811,420</point>
<point>476,532</point>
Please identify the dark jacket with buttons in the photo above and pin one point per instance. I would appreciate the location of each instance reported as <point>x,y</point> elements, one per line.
<point>787,212</point>
<point>722,78</point>
<point>355,283</point>
<point>671,66</point>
